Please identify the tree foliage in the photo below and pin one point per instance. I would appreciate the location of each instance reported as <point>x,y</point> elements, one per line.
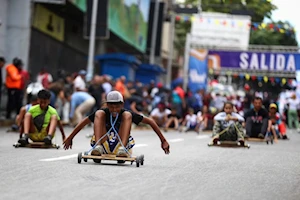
<point>267,36</point>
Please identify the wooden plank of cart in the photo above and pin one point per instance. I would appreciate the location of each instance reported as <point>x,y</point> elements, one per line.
<point>139,160</point>
<point>41,145</point>
<point>229,144</point>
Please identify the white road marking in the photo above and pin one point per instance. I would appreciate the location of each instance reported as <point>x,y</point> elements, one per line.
<point>60,158</point>
<point>140,145</point>
<point>176,140</point>
<point>202,136</point>
<point>75,155</point>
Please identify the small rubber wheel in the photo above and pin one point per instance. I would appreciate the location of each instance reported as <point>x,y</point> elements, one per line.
<point>142,159</point>
<point>97,160</point>
<point>79,157</point>
<point>137,160</point>
<point>85,159</point>
<point>121,161</point>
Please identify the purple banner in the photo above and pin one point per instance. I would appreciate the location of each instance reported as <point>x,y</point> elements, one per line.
<point>287,62</point>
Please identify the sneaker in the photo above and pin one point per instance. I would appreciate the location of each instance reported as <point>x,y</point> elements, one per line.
<point>23,140</point>
<point>284,137</point>
<point>48,139</point>
<point>97,151</point>
<point>215,140</point>
<point>122,152</point>
<point>242,142</point>
<point>261,136</point>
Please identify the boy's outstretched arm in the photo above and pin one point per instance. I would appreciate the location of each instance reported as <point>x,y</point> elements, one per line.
<point>164,144</point>
<point>68,142</point>
<point>61,128</point>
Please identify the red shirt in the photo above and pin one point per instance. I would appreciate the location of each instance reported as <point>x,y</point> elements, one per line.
<point>180,92</point>
<point>25,78</point>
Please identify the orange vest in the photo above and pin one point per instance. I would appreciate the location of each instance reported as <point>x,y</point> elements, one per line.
<point>13,77</point>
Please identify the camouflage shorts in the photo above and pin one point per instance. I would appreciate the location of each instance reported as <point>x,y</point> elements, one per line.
<point>230,133</point>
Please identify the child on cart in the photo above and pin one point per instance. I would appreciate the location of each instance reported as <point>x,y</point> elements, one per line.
<point>112,126</point>
<point>40,121</point>
<point>227,126</point>
<point>20,117</point>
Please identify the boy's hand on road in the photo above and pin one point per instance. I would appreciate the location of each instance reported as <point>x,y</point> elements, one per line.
<point>68,143</point>
<point>166,147</point>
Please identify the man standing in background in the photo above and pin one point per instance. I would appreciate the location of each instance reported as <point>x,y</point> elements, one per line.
<point>2,63</point>
<point>13,84</point>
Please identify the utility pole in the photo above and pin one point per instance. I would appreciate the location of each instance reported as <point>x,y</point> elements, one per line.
<point>154,31</point>
<point>90,65</point>
<point>176,10</point>
<point>171,46</point>
<point>186,61</point>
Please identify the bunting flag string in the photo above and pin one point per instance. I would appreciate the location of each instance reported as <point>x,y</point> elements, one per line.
<point>281,28</point>
<point>260,79</point>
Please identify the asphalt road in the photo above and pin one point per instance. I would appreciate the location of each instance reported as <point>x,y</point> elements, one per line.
<point>191,171</point>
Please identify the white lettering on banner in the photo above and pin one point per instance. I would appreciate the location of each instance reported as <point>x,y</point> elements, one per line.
<point>276,62</point>
<point>272,61</point>
<point>262,62</point>
<point>280,62</point>
<point>244,60</point>
<point>291,65</point>
<point>254,62</point>
<point>197,78</point>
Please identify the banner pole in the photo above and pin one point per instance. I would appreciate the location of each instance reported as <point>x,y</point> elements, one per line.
<point>154,31</point>
<point>171,46</point>
<point>186,61</point>
<point>90,66</point>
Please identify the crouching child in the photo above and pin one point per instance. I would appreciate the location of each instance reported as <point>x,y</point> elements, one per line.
<point>40,121</point>
<point>113,125</point>
<point>227,126</point>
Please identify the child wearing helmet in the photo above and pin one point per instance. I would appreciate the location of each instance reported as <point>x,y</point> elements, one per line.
<point>112,121</point>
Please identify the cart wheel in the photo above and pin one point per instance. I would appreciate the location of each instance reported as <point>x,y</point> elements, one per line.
<point>132,162</point>
<point>137,160</point>
<point>97,160</point>
<point>79,157</point>
<point>85,159</point>
<point>142,159</point>
<point>121,161</point>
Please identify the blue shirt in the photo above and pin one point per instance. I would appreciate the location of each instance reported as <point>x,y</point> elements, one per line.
<point>77,99</point>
